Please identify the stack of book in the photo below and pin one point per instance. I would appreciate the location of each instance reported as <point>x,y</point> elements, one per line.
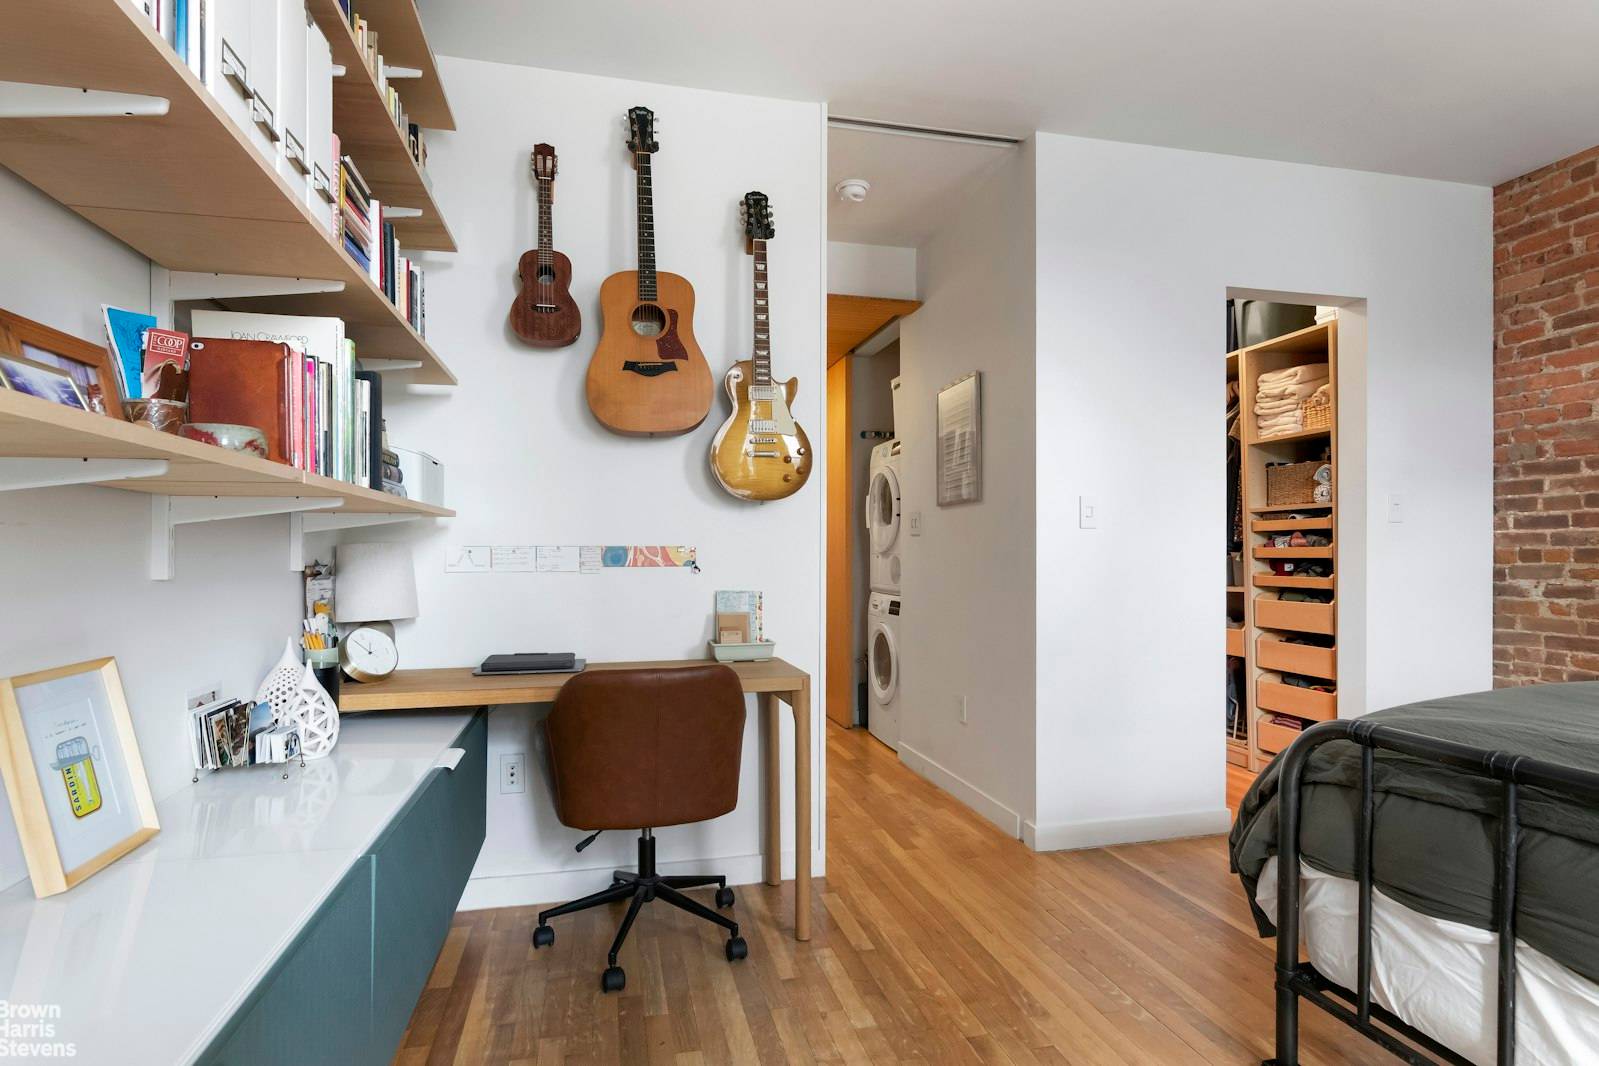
<point>366,39</point>
<point>370,241</point>
<point>393,481</point>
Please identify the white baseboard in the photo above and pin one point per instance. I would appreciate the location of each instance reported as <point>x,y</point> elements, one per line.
<point>963,790</point>
<point>1070,836</point>
<point>526,890</point>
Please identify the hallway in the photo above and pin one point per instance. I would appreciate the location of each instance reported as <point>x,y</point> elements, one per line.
<point>937,940</point>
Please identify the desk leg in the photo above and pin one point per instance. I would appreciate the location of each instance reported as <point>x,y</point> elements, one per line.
<point>773,741</point>
<point>802,811</point>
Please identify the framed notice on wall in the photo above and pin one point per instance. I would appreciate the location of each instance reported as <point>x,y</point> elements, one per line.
<point>960,441</point>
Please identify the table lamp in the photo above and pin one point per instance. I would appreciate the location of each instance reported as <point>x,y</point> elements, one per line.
<point>373,584</point>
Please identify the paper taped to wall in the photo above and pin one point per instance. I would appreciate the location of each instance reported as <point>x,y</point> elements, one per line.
<point>567,558</point>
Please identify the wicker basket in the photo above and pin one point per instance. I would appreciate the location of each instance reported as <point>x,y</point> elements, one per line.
<point>1316,413</point>
<point>1291,483</point>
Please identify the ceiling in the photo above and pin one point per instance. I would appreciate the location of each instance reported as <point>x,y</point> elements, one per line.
<point>914,180</point>
<point>1466,90</point>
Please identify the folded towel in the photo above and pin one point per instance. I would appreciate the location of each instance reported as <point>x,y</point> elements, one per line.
<point>1284,425</point>
<point>1275,407</point>
<point>1294,374</point>
<point>1288,392</point>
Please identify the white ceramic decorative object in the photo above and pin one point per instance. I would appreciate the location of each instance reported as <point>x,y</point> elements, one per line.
<point>282,684</point>
<point>315,715</point>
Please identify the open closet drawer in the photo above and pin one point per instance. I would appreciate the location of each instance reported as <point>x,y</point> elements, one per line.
<point>1273,738</point>
<point>1299,702</point>
<point>1274,654</point>
<point>1235,640</point>
<point>1299,617</point>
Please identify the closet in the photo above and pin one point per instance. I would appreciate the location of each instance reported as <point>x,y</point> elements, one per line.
<point>1282,448</point>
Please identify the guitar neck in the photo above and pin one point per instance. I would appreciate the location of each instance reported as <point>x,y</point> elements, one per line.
<point>646,228</point>
<point>546,230</point>
<point>763,318</point>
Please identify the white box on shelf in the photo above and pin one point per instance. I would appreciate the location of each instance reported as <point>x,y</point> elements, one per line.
<point>422,475</point>
<point>264,96</point>
<point>293,161</point>
<point>226,51</point>
<point>322,187</point>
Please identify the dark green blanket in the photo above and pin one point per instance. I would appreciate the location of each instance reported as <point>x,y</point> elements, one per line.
<point>1436,829</point>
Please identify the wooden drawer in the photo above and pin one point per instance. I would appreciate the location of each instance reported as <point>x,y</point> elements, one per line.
<point>1237,754</point>
<point>1300,702</point>
<point>1235,640</point>
<point>1299,617</point>
<point>1274,654</point>
<point>1273,738</point>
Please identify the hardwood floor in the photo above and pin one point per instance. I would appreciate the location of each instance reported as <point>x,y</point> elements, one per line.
<point>937,939</point>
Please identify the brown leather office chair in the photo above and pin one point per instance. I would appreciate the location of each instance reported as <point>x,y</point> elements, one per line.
<point>642,749</point>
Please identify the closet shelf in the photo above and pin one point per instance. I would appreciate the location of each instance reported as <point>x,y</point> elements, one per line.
<point>369,135</point>
<point>1290,438</point>
<point>398,25</point>
<point>1288,525</point>
<point>35,428</point>
<point>1325,552</point>
<point>188,189</point>
<point>1292,507</point>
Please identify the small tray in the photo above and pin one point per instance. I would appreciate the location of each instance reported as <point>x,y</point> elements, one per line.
<point>756,651</point>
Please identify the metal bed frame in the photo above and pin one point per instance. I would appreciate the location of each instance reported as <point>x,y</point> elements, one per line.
<point>1300,980</point>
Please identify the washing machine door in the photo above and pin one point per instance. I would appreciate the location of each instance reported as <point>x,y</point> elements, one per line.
<point>882,509</point>
<point>882,662</point>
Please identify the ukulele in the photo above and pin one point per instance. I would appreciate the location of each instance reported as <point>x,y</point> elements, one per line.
<point>648,376</point>
<point>760,453</point>
<point>544,313</point>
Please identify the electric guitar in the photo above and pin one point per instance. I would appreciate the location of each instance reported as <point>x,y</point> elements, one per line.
<point>648,376</point>
<point>544,313</point>
<point>760,453</point>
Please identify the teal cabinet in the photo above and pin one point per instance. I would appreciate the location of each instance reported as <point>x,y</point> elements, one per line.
<point>343,992</point>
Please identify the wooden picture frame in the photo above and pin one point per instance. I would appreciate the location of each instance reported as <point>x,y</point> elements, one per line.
<point>72,772</point>
<point>87,364</point>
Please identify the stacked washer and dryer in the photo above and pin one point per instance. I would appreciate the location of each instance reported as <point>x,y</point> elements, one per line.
<point>883,607</point>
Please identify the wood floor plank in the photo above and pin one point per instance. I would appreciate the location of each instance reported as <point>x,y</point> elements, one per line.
<point>935,939</point>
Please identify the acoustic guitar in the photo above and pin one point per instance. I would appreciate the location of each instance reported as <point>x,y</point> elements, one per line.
<point>544,313</point>
<point>760,453</point>
<point>648,376</point>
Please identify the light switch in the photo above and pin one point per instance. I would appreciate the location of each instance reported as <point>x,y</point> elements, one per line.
<point>1396,507</point>
<point>1087,512</point>
<point>915,520</point>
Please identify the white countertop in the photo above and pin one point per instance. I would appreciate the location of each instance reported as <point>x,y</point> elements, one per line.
<point>147,959</point>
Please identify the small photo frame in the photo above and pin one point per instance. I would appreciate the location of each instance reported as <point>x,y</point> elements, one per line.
<point>87,364</point>
<point>45,382</point>
<point>72,772</point>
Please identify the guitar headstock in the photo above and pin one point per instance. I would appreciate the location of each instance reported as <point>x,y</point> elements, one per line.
<point>641,131</point>
<point>755,213</point>
<point>544,162</point>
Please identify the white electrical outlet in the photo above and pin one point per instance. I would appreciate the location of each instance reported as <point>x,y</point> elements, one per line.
<point>963,710</point>
<point>512,767</point>
<point>1396,508</point>
<point>916,523</point>
<point>1087,512</point>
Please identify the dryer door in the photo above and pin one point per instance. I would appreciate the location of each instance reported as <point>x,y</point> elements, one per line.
<point>882,662</point>
<point>882,509</point>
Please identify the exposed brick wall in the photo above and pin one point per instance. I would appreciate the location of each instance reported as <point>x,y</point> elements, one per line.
<point>1546,435</point>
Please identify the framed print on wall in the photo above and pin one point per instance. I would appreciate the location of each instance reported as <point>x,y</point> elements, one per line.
<point>960,441</point>
<point>88,365</point>
<point>72,772</point>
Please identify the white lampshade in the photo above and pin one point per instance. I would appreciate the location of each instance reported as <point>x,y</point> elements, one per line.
<point>373,583</point>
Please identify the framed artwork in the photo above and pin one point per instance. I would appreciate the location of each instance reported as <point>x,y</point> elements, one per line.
<point>960,441</point>
<point>72,772</point>
<point>88,365</point>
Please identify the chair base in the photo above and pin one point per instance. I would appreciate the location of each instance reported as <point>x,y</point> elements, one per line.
<point>641,887</point>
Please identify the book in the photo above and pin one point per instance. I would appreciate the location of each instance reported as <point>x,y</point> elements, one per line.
<point>124,331</point>
<point>164,348</point>
<point>371,440</point>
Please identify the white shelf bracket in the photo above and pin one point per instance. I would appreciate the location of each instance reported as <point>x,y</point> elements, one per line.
<point>188,285</point>
<point>48,473</point>
<point>390,366</point>
<point>301,525</point>
<point>397,73</point>
<point>19,99</point>
<point>167,513</point>
<point>401,212</point>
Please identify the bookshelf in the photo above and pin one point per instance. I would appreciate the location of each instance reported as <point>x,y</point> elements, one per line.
<point>369,134</point>
<point>187,189</point>
<point>403,44</point>
<point>31,428</point>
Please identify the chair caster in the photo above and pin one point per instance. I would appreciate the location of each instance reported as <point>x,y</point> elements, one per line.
<point>613,980</point>
<point>724,897</point>
<point>737,949</point>
<point>543,936</point>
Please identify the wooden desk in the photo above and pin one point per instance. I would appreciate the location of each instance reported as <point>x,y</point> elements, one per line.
<point>772,681</point>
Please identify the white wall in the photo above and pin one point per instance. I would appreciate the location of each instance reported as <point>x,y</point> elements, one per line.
<point>526,463</point>
<point>76,581</point>
<point>871,270</point>
<point>1137,247</point>
<point>969,579</point>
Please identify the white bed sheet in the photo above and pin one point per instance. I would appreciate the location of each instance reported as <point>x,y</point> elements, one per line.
<point>1443,977</point>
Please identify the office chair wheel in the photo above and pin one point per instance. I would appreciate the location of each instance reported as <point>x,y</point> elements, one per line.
<point>724,897</point>
<point>613,980</point>
<point>737,949</point>
<point>543,936</point>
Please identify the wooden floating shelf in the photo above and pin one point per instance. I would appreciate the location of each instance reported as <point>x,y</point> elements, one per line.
<point>369,135</point>
<point>1312,340</point>
<point>38,429</point>
<point>853,320</point>
<point>398,25</point>
<point>1273,581</point>
<point>1324,552</point>
<point>188,190</point>
<point>1291,438</point>
<point>1288,525</point>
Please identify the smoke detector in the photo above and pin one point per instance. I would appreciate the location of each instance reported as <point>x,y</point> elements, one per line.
<point>853,190</point>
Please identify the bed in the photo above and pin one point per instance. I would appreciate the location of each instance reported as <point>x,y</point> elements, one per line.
<point>1392,832</point>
